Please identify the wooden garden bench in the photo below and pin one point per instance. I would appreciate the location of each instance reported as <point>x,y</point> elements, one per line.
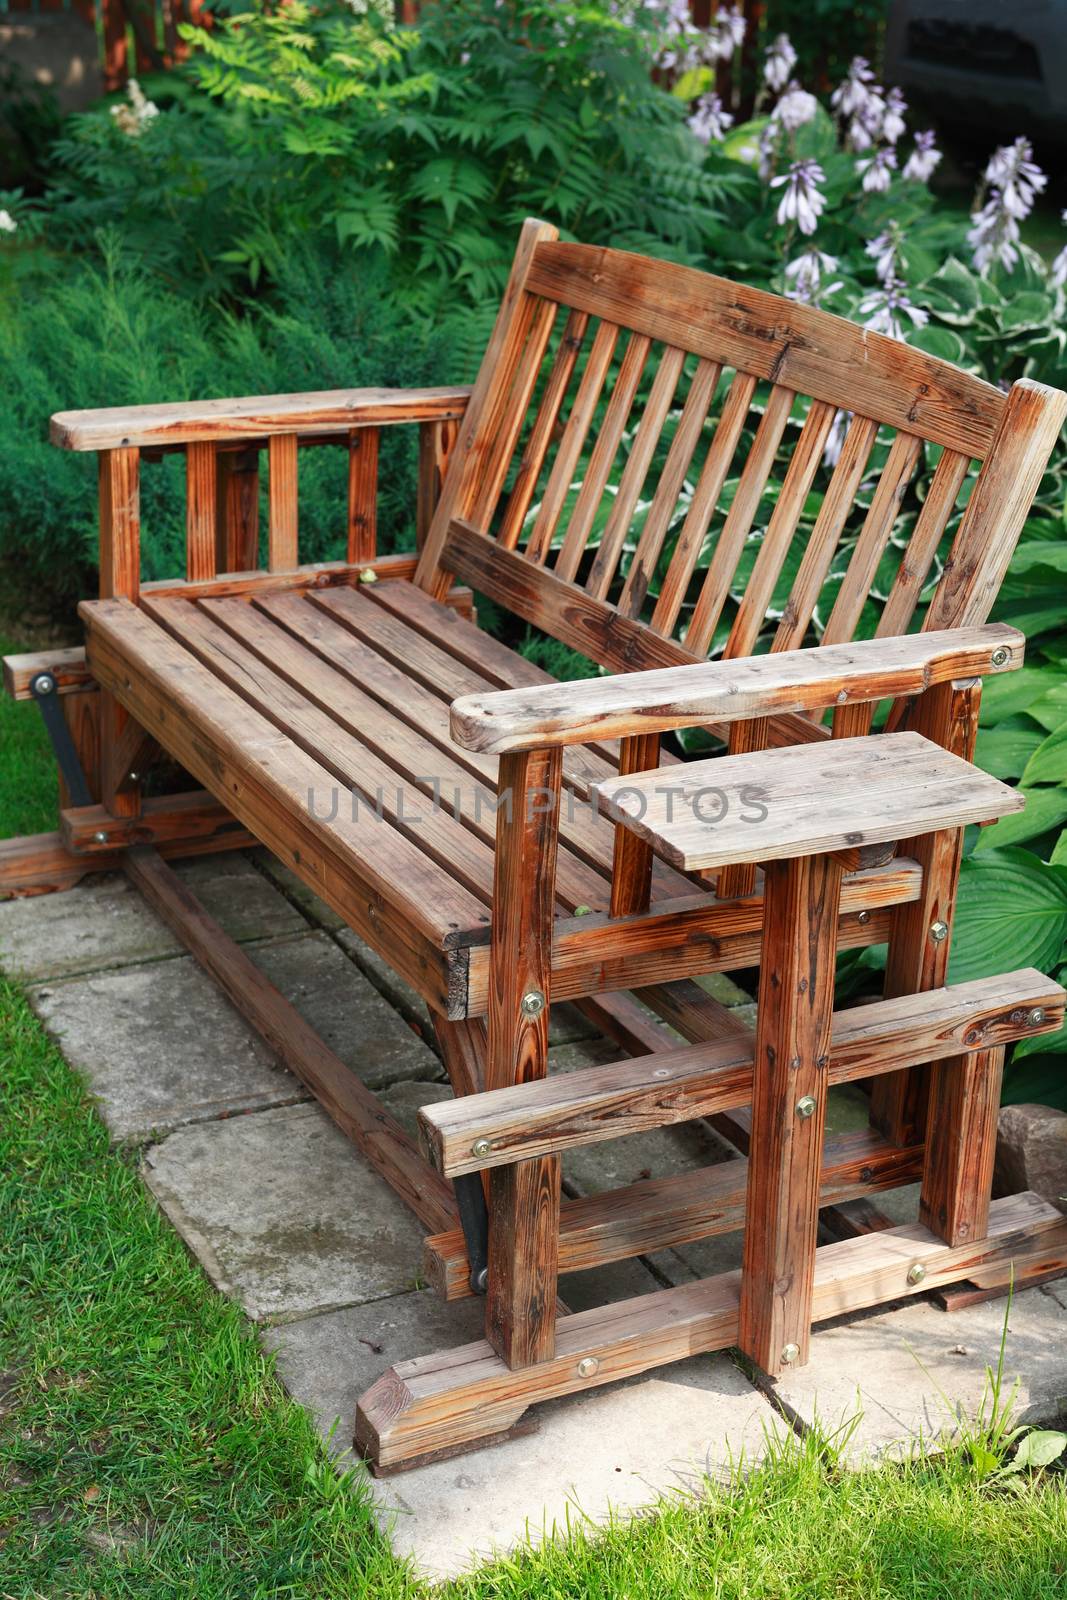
<point>580,486</point>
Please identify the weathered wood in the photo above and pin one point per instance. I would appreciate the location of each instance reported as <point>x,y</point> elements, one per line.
<point>718,691</point>
<point>254,416</point>
<point>376,1134</point>
<point>789,1082</point>
<point>598,1103</point>
<point>961,1143</point>
<point>201,511</point>
<point>631,875</point>
<point>120,575</point>
<point>524,1199</point>
<point>885,506</point>
<point>437,440</point>
<point>68,667</point>
<point>809,351</point>
<point>776,804</point>
<point>469,1393</point>
<point>532,457</point>
<point>736,880</point>
<point>538,321</point>
<point>282,533</point>
<point>237,510</point>
<point>362,495</point>
<point>921,548</point>
<point>164,819</point>
<point>657,1213</point>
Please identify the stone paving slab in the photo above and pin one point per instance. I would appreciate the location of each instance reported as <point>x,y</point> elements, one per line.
<point>104,922</point>
<point>620,1447</point>
<point>284,1214</point>
<point>894,1367</point>
<point>159,1047</point>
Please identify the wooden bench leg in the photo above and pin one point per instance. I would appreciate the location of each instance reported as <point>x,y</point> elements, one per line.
<point>961,1143</point>
<point>524,1199</point>
<point>796,994</point>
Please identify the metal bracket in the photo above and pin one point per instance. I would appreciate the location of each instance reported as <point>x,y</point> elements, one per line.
<point>474,1220</point>
<point>45,691</point>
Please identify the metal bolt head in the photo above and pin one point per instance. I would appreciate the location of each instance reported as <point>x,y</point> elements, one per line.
<point>44,683</point>
<point>790,1354</point>
<point>939,932</point>
<point>1036,1017</point>
<point>101,838</point>
<point>481,1147</point>
<point>1001,656</point>
<point>806,1107</point>
<point>133,777</point>
<point>480,1280</point>
<point>863,917</point>
<point>533,1003</point>
<point>588,1367</point>
<point>916,1272</point>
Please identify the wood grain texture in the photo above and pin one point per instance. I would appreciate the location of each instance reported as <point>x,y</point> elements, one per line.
<point>469,1392</point>
<point>654,699</point>
<point>878,524</point>
<point>599,1103</point>
<point>253,416</point>
<point>437,440</point>
<point>792,1063</point>
<point>961,1143</point>
<point>67,666</point>
<point>201,510</point>
<point>237,511</point>
<point>363,494</point>
<point>120,523</point>
<point>631,873</point>
<point>169,819</point>
<point>781,341</point>
<point>282,534</point>
<point>524,1199</point>
<point>542,432</point>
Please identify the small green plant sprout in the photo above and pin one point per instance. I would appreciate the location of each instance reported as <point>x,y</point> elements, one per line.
<point>996,1448</point>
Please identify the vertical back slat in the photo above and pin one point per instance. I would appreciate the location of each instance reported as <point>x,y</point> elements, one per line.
<point>201,507</point>
<point>604,452</point>
<point>833,514</point>
<point>437,440</point>
<point>282,531</point>
<point>540,437</point>
<point>362,494</point>
<point>781,529</point>
<point>570,446</point>
<point>739,520</point>
<point>897,473</point>
<point>665,499</point>
<point>702,506</point>
<point>633,476</point>
<point>922,546</point>
<point>237,515</point>
<point>120,523</point>
<point>542,321</point>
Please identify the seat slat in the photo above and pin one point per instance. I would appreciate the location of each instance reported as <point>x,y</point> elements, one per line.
<point>918,558</point>
<point>893,484</point>
<point>569,452</point>
<point>705,498</point>
<point>633,476</point>
<point>833,514</point>
<point>532,457</point>
<point>415,758</point>
<point>754,475</point>
<point>665,500</point>
<point>780,530</point>
<point>604,452</point>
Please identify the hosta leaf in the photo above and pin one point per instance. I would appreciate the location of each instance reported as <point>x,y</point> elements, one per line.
<point>1048,764</point>
<point>1008,693</point>
<point>1045,809</point>
<point>1011,911</point>
<point>1005,750</point>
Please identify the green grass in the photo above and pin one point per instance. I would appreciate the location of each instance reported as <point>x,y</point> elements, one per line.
<point>147,1451</point>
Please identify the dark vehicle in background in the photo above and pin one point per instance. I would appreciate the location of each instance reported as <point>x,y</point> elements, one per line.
<point>985,66</point>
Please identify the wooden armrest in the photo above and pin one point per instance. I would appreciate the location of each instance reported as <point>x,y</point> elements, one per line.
<point>214,421</point>
<point>730,691</point>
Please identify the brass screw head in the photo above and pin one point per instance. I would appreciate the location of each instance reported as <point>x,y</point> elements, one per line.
<point>790,1354</point>
<point>1001,656</point>
<point>481,1147</point>
<point>939,932</point>
<point>588,1367</point>
<point>1036,1017</point>
<point>916,1272</point>
<point>533,1003</point>
<point>806,1106</point>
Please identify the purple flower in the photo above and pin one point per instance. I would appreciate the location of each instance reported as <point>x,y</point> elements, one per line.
<point>802,201</point>
<point>1058,270</point>
<point>727,33</point>
<point>710,120</point>
<point>804,276</point>
<point>885,309</point>
<point>780,60</point>
<point>1013,172</point>
<point>795,108</point>
<point>852,93</point>
<point>893,124</point>
<point>835,438</point>
<point>885,250</point>
<point>920,165</point>
<point>878,170</point>
<point>994,235</point>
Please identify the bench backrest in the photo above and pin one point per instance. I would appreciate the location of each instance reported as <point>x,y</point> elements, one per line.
<point>632,417</point>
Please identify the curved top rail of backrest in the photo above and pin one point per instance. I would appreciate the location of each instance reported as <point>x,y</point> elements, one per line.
<point>799,347</point>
